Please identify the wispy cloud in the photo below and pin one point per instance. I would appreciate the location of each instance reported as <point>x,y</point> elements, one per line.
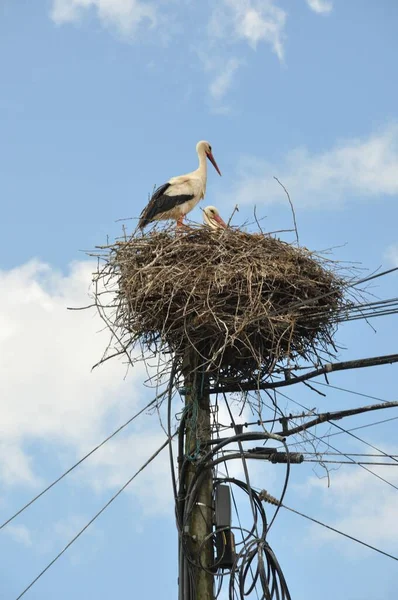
<point>236,24</point>
<point>20,534</point>
<point>354,169</point>
<point>221,84</point>
<point>221,72</point>
<point>253,21</point>
<point>15,463</point>
<point>322,7</point>
<point>124,15</point>
<point>231,23</point>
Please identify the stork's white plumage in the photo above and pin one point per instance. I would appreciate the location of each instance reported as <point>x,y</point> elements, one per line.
<point>211,217</point>
<point>177,197</point>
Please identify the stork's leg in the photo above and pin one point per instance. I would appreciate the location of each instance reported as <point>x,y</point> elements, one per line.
<point>181,226</point>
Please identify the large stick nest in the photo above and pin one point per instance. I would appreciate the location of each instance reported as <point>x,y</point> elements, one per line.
<point>244,301</point>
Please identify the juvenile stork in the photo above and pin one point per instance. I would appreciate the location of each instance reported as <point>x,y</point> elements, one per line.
<point>177,197</point>
<point>211,217</point>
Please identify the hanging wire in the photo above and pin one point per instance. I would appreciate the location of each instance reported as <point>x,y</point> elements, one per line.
<point>69,544</point>
<point>341,389</point>
<point>81,460</point>
<point>336,449</point>
<point>329,435</point>
<point>268,498</point>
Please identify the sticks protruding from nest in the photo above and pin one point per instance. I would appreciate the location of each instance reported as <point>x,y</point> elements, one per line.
<point>243,301</point>
<point>292,207</point>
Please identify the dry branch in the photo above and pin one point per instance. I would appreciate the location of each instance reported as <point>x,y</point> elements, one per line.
<point>245,302</point>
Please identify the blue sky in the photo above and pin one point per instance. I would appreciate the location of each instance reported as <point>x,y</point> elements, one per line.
<point>101,100</point>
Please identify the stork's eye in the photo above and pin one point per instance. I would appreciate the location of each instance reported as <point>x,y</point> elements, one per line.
<point>209,148</point>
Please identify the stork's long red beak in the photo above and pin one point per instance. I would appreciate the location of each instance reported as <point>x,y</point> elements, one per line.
<point>211,159</point>
<point>220,221</point>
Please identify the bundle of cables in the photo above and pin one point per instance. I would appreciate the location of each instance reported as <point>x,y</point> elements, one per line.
<point>254,568</point>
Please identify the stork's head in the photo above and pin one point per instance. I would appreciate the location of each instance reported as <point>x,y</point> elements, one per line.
<point>205,148</point>
<point>212,218</point>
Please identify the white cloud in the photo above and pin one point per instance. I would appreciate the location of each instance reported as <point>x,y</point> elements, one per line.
<point>48,353</point>
<point>355,168</point>
<point>230,22</point>
<point>221,84</point>
<point>250,21</point>
<point>51,398</point>
<point>253,21</point>
<point>124,15</point>
<point>323,7</point>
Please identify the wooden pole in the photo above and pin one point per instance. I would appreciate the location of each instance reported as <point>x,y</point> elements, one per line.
<point>198,432</point>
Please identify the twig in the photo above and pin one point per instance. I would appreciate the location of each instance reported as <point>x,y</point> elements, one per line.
<point>292,207</point>
<point>236,209</point>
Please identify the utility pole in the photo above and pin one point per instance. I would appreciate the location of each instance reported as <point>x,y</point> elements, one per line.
<point>198,433</point>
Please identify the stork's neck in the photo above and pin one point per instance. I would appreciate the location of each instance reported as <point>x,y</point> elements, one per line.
<point>202,170</point>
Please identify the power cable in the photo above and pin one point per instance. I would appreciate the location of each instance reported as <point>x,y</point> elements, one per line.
<point>154,455</point>
<point>268,498</point>
<point>244,465</point>
<point>266,436</point>
<point>347,453</point>
<point>349,462</point>
<point>329,435</point>
<point>335,387</point>
<point>79,462</point>
<point>354,283</point>
<point>336,449</point>
<point>233,499</point>
<point>365,442</point>
<point>169,399</point>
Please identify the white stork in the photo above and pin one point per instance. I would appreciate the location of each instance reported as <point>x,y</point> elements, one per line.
<point>177,197</point>
<point>211,217</point>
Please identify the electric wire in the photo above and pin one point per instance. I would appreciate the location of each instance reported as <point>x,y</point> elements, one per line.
<point>79,462</point>
<point>336,449</point>
<point>255,548</point>
<point>209,462</point>
<point>150,459</point>
<point>264,495</point>
<point>169,391</point>
<point>349,462</point>
<point>243,463</point>
<point>365,442</point>
<point>329,435</point>
<point>341,389</point>
<point>234,501</point>
<point>267,570</point>
<point>257,545</point>
<point>350,454</point>
<point>354,283</point>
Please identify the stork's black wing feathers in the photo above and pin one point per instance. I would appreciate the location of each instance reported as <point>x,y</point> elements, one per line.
<point>161,203</point>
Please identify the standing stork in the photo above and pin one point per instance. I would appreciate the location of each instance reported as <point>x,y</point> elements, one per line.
<point>177,197</point>
<point>211,217</point>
